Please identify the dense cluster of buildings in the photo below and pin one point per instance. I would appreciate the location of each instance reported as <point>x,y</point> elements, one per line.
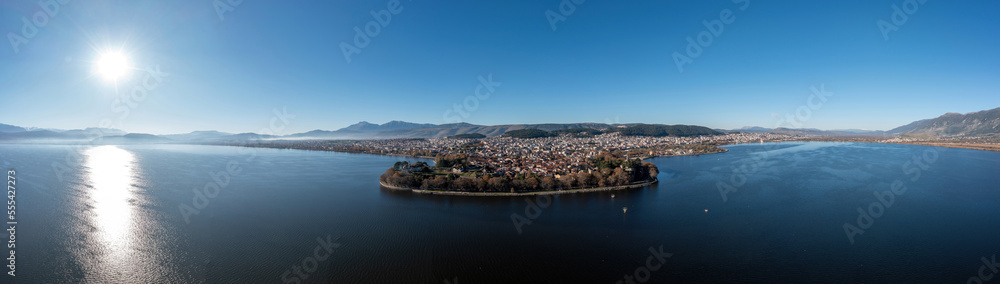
<point>550,156</point>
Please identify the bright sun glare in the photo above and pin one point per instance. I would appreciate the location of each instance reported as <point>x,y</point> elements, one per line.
<point>112,65</point>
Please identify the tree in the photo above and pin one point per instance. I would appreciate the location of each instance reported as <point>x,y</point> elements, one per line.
<point>585,180</point>
<point>438,182</point>
<point>568,181</point>
<point>499,184</point>
<point>601,180</point>
<point>465,184</point>
<point>548,183</point>
<point>388,173</point>
<point>481,183</point>
<point>652,169</point>
<point>532,183</point>
<point>620,177</point>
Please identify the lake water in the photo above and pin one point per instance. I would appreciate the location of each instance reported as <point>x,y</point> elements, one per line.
<point>112,214</point>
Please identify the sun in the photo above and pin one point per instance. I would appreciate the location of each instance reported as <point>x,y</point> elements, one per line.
<point>112,65</point>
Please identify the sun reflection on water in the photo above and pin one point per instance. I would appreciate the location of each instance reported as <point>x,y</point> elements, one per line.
<point>111,173</point>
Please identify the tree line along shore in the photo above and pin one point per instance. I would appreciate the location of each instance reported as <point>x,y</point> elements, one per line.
<point>604,170</point>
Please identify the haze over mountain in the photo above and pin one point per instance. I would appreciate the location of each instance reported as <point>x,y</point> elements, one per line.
<point>982,123</point>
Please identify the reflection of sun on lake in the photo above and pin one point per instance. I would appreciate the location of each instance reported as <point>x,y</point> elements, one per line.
<point>111,173</point>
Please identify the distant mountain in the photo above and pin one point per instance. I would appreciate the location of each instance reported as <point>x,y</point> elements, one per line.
<point>396,125</point>
<point>752,129</point>
<point>16,134</point>
<point>324,134</point>
<point>659,130</point>
<point>401,129</point>
<point>490,131</point>
<point>365,126</point>
<point>909,127</point>
<point>133,138</point>
<point>818,132</point>
<point>205,135</point>
<point>361,126</point>
<point>808,131</point>
<point>245,137</point>
<point>33,135</point>
<point>7,128</point>
<point>92,132</point>
<point>365,130</point>
<point>981,123</point>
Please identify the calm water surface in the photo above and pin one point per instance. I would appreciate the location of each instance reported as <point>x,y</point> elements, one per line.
<point>112,214</point>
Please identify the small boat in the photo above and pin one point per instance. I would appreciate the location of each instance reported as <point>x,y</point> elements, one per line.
<point>612,196</point>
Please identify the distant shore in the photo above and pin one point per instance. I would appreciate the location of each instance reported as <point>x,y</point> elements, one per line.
<point>529,193</point>
<point>680,155</point>
<point>974,146</point>
<point>961,145</point>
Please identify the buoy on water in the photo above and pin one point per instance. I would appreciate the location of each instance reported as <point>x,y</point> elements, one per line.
<point>612,196</point>
<point>625,210</point>
<point>706,211</point>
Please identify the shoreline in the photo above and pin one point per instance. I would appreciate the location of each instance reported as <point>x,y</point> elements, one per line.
<point>644,158</point>
<point>956,145</point>
<point>532,193</point>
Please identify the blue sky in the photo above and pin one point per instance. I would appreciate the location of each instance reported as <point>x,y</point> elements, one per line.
<point>609,61</point>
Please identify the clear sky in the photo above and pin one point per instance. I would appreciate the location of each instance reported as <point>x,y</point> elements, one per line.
<point>608,61</point>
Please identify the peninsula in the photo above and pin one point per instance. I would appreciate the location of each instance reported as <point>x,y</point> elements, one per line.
<point>534,161</point>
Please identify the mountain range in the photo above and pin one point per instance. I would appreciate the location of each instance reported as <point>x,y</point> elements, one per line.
<point>983,123</point>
